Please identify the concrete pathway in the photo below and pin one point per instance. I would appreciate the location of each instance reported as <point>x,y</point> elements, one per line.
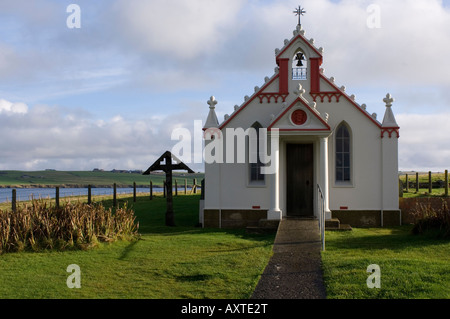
<point>294,271</point>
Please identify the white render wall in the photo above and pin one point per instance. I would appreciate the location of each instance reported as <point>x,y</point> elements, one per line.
<point>227,187</point>
<point>390,172</point>
<point>364,193</point>
<point>365,189</point>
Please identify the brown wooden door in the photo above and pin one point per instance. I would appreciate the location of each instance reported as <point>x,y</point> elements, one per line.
<point>300,180</point>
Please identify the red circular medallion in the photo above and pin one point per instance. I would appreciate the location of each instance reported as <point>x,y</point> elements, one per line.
<point>299,117</point>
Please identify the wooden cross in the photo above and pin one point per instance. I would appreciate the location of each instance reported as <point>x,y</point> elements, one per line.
<point>167,167</point>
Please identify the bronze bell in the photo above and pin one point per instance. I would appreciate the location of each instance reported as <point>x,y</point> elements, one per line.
<point>300,57</point>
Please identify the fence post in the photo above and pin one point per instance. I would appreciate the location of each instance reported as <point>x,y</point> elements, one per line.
<point>134,192</point>
<point>14,197</point>
<point>194,187</point>
<point>430,185</point>
<point>446,182</point>
<point>185,186</point>
<point>417,182</point>
<point>407,184</point>
<point>57,197</point>
<point>151,190</point>
<point>89,194</point>
<point>115,195</point>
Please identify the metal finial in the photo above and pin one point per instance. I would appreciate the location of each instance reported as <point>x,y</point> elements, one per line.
<point>299,12</point>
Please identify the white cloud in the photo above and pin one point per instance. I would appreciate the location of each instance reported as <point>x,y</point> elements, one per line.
<point>9,107</point>
<point>55,137</point>
<point>199,37</point>
<point>177,29</point>
<point>423,143</point>
<point>48,136</point>
<point>402,50</point>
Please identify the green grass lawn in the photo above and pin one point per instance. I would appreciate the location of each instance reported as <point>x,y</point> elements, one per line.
<point>411,266</point>
<point>167,262</point>
<point>436,192</point>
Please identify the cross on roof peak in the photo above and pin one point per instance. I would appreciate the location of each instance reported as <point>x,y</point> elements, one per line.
<point>299,12</point>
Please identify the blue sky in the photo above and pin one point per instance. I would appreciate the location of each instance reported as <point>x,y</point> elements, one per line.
<point>109,94</point>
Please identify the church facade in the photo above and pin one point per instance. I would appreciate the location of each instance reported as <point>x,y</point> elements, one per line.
<point>327,152</point>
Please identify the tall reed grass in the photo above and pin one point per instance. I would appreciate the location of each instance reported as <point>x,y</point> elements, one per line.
<point>39,225</point>
<point>428,219</point>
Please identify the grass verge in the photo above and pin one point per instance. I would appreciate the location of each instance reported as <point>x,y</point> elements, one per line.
<point>412,267</point>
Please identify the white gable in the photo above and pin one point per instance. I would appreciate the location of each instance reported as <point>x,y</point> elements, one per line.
<point>300,117</point>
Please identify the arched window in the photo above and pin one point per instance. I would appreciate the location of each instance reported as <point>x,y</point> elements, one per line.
<point>255,163</point>
<point>299,66</point>
<point>343,154</point>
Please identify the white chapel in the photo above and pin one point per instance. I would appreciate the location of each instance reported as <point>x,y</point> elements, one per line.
<point>327,152</point>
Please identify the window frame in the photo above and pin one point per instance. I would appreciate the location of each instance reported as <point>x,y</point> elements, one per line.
<point>255,166</point>
<point>346,153</point>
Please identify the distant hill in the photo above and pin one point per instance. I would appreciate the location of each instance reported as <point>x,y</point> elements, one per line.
<point>51,178</point>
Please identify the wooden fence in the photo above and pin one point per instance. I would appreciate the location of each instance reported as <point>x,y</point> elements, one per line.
<point>193,190</point>
<point>412,182</point>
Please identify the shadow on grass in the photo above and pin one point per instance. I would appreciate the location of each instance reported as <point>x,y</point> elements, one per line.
<point>193,278</point>
<point>151,217</point>
<point>127,250</point>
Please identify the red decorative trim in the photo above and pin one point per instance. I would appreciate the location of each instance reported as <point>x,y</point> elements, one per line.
<point>309,108</point>
<point>274,95</point>
<point>390,131</point>
<point>315,78</point>
<point>343,208</point>
<point>329,95</point>
<point>302,130</point>
<point>351,101</point>
<point>299,36</point>
<point>256,207</point>
<point>249,101</point>
<point>299,117</point>
<point>284,75</point>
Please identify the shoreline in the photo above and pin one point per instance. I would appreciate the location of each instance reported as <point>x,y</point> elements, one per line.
<point>75,186</point>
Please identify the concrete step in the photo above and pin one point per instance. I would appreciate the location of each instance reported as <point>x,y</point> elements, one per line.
<point>293,231</point>
<point>299,224</point>
<point>332,223</point>
<point>335,225</point>
<point>301,227</point>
